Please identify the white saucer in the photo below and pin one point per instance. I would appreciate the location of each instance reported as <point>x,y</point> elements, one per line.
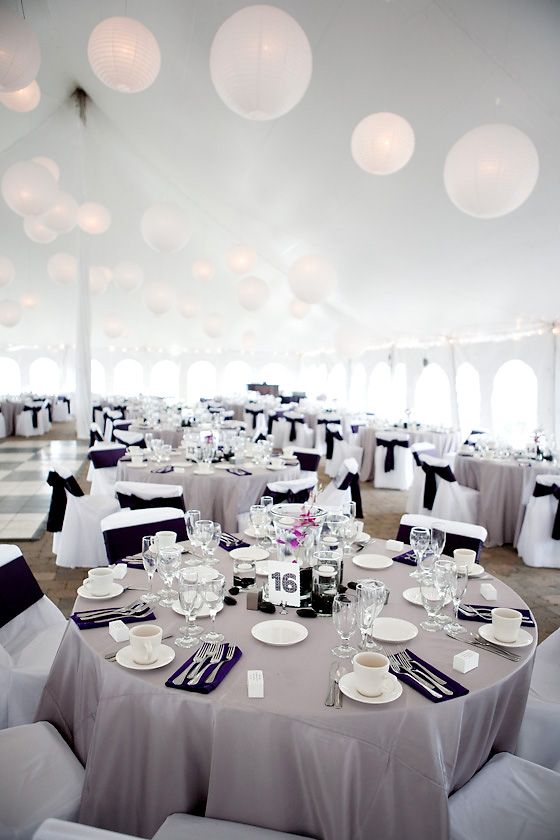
<point>391,689</point>
<point>476,571</point>
<point>223,466</point>
<point>275,469</point>
<point>412,595</point>
<point>372,561</point>
<point>203,612</point>
<point>362,538</point>
<point>124,658</point>
<point>251,553</point>
<point>487,632</point>
<point>262,568</point>
<point>279,632</point>
<point>198,471</point>
<point>393,630</point>
<point>116,589</point>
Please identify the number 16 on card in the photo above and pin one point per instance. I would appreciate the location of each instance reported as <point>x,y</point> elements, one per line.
<point>283,583</point>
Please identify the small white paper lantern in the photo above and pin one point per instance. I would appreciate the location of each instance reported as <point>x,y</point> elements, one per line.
<point>49,164</point>
<point>23,100</point>
<point>299,309</point>
<point>350,340</point>
<point>128,276</point>
<point>312,279</point>
<point>165,227</point>
<point>261,62</point>
<point>63,268</point>
<point>241,259</point>
<point>202,270</point>
<point>188,306</point>
<point>29,301</point>
<point>37,230</point>
<point>28,188</point>
<point>491,170</point>
<point>159,297</point>
<point>113,327</point>
<point>124,54</point>
<point>10,313</point>
<point>248,340</point>
<point>99,278</point>
<point>20,53</point>
<point>62,215</point>
<point>93,218</point>
<point>382,143</point>
<point>253,293</point>
<point>7,271</point>
<point>213,325</point>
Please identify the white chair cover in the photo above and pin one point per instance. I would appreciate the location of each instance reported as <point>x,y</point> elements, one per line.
<point>322,421</point>
<point>332,498</point>
<point>130,523</point>
<point>128,438</point>
<point>535,546</point>
<point>280,432</point>
<point>53,829</point>
<point>414,501</point>
<point>400,477</point>
<point>474,535</point>
<point>80,543</point>
<point>2,426</point>
<point>24,420</point>
<point>452,500</point>
<point>61,412</point>
<point>341,451</point>
<point>103,478</point>
<point>189,827</point>
<point>146,490</point>
<point>539,737</point>
<point>295,486</point>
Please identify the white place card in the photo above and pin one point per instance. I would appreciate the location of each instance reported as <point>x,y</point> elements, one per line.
<point>283,583</point>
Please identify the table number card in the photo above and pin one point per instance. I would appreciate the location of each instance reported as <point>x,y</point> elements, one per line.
<point>283,583</point>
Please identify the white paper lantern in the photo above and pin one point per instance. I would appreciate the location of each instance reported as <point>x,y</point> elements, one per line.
<point>351,340</point>
<point>261,62</point>
<point>49,164</point>
<point>7,271</point>
<point>253,293</point>
<point>20,53</point>
<point>62,215</point>
<point>213,325</point>
<point>124,54</point>
<point>28,188</point>
<point>299,309</point>
<point>128,276</point>
<point>241,259</point>
<point>113,327</point>
<point>188,306</point>
<point>29,301</point>
<point>382,143</point>
<point>248,340</point>
<point>99,279</point>
<point>37,230</point>
<point>10,313</point>
<point>202,270</point>
<point>23,100</point>
<point>491,170</point>
<point>165,227</point>
<point>312,279</point>
<point>63,268</point>
<point>159,297</point>
<point>93,218</point>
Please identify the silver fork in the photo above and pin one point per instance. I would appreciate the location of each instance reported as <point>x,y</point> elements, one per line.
<point>398,668</point>
<point>202,654</point>
<point>486,612</point>
<point>111,609</point>
<point>126,612</point>
<point>407,663</point>
<point>215,659</point>
<point>228,657</point>
<point>329,700</point>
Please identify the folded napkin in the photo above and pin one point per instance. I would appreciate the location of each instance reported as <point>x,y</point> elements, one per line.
<point>457,689</point>
<point>84,624</point>
<point>485,614</point>
<point>229,546</point>
<point>239,471</point>
<point>408,558</point>
<point>203,687</point>
<point>167,469</point>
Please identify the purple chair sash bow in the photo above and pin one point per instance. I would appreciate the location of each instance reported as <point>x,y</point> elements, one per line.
<point>35,409</point>
<point>552,490</point>
<point>101,458</point>
<point>254,412</point>
<point>136,503</point>
<point>452,541</point>
<point>352,480</point>
<point>122,542</point>
<point>430,484</point>
<point>19,589</point>
<point>330,437</point>
<point>390,454</point>
<point>57,507</point>
<point>300,497</point>
<point>292,421</point>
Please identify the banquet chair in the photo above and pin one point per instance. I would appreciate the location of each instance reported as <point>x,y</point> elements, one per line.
<point>343,488</point>
<point>297,491</point>
<point>129,438</point>
<point>393,461</point>
<point>123,531</point>
<point>308,458</point>
<point>508,799</point>
<point>323,420</point>
<point>458,534</point>
<point>539,736</point>
<point>95,434</point>
<point>333,433</point>
<point>40,777</point>
<point>414,498</point>
<point>342,450</point>
<point>442,495</point>
<point>61,410</point>
<point>256,421</point>
<point>61,481</point>
<point>2,425</point>
<point>298,432</point>
<point>32,420</point>
<point>104,458</point>
<point>143,494</point>
<point>31,628</point>
<point>539,539</point>
<point>80,543</point>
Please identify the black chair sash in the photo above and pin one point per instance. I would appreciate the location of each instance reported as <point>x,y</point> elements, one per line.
<point>48,406</point>
<point>452,541</point>
<point>308,461</point>
<point>352,480</point>
<point>141,444</point>
<point>259,437</point>
<point>122,542</point>
<point>418,455</point>
<point>473,432</point>
<point>390,454</point>
<point>254,412</point>
<point>102,458</point>
<point>430,483</point>
<point>121,409</point>
<point>35,409</point>
<point>95,436</point>
<point>289,497</point>
<point>552,490</point>
<point>330,437</point>
<point>19,589</point>
<point>93,410</point>
<point>276,415</point>
<point>57,507</point>
<point>65,400</point>
<point>136,503</point>
<point>292,421</point>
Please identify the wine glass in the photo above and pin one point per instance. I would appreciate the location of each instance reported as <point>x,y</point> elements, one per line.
<point>167,564</point>
<point>348,531</point>
<point>457,586</point>
<point>259,520</point>
<point>149,559</point>
<point>191,518</point>
<point>344,620</point>
<point>349,509</point>
<point>432,593</point>
<point>419,541</point>
<point>267,502</point>
<point>213,592</point>
<point>203,533</point>
<point>216,536</point>
<point>437,539</point>
<point>190,600</point>
<point>370,594</point>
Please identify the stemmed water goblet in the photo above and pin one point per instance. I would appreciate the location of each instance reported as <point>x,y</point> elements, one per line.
<point>213,592</point>
<point>433,589</point>
<point>437,539</point>
<point>259,520</point>
<point>267,502</point>
<point>149,560</point>
<point>167,564</point>
<point>419,541</point>
<point>191,518</point>
<point>190,600</point>
<point>348,531</point>
<point>212,545</point>
<point>370,595</point>
<point>344,620</point>
<point>458,578</point>
<point>203,534</point>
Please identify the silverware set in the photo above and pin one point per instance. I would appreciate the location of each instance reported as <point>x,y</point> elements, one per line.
<point>229,540</point>
<point>334,696</point>
<point>207,655</point>
<point>472,639</point>
<point>485,613</point>
<point>434,685</point>
<point>136,610</point>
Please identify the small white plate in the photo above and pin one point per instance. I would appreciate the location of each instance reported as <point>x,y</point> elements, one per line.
<point>391,689</point>
<point>262,568</point>
<point>393,630</point>
<point>251,553</point>
<point>250,532</point>
<point>203,612</point>
<point>412,595</point>
<point>116,589</point>
<point>487,632</point>
<point>124,658</point>
<point>275,469</point>
<point>372,561</point>
<point>278,632</point>
<point>198,471</point>
<point>476,571</point>
<point>362,538</point>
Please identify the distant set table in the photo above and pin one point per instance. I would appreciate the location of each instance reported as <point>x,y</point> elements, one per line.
<point>443,442</point>
<point>10,411</point>
<point>169,435</point>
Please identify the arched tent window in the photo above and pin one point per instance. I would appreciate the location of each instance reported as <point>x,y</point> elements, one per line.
<point>432,397</point>
<point>276,374</point>
<point>468,397</point>
<point>337,384</point>
<point>514,403</point>
<point>399,404</point>
<point>358,387</point>
<point>44,376</point>
<point>98,378</point>
<point>164,379</point>
<point>236,377</point>
<point>128,378</point>
<point>201,381</point>
<point>379,390</point>
<point>10,376</point>
<point>314,380</point>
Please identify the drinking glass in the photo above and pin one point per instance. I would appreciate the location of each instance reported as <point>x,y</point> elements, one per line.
<point>203,534</point>
<point>213,592</point>
<point>348,532</point>
<point>267,502</point>
<point>432,593</point>
<point>437,539</point>
<point>190,600</point>
<point>216,536</point>
<point>349,509</point>
<point>191,518</point>
<point>458,585</point>
<point>428,560</point>
<point>167,564</point>
<point>370,594</point>
<point>445,570</point>
<point>344,620</point>
<point>259,521</point>
<point>149,559</point>
<point>419,542</point>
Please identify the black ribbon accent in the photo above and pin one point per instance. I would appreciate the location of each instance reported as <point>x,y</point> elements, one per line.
<point>95,436</point>
<point>352,480</point>
<point>330,437</point>
<point>260,436</point>
<point>289,497</point>
<point>48,406</point>
<point>430,484</point>
<point>93,410</point>
<point>57,507</point>
<point>141,443</point>
<point>102,458</point>
<point>551,490</point>
<point>19,589</point>
<point>254,412</point>
<point>276,415</point>
<point>136,503</point>
<point>122,542</point>
<point>65,400</point>
<point>390,454</point>
<point>35,409</point>
<point>308,461</point>
<point>292,421</point>
<point>452,541</point>
<point>473,432</point>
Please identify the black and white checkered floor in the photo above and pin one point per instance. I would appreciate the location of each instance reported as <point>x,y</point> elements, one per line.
<point>24,493</point>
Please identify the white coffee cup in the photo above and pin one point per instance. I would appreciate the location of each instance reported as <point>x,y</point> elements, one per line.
<point>145,641</point>
<point>506,624</point>
<point>99,581</point>
<point>370,671</point>
<point>276,463</point>
<point>135,451</point>
<point>465,557</point>
<point>165,538</point>
<point>204,467</point>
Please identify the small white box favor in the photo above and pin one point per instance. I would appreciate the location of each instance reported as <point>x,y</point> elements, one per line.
<point>488,591</point>
<point>465,661</point>
<point>119,571</point>
<point>394,545</point>
<point>119,631</point>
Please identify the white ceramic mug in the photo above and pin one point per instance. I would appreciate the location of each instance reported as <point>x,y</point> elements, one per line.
<point>465,557</point>
<point>506,624</point>
<point>145,641</point>
<point>370,671</point>
<point>276,463</point>
<point>99,581</point>
<point>165,538</point>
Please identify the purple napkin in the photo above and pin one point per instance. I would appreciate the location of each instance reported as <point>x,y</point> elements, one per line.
<point>229,546</point>
<point>204,687</point>
<point>167,469</point>
<point>84,624</point>
<point>457,689</point>
<point>239,471</point>
<point>485,610</point>
<point>409,558</point>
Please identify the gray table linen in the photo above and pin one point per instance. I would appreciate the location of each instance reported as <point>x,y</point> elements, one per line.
<point>10,411</point>
<point>443,443</point>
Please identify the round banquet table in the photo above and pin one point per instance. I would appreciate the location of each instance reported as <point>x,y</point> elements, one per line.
<point>285,762</point>
<point>220,496</point>
<point>170,435</point>
<point>10,410</point>
<point>443,442</point>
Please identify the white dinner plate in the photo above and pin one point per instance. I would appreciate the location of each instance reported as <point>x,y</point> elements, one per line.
<point>203,612</point>
<point>412,595</point>
<point>279,632</point>
<point>262,568</point>
<point>393,630</point>
<point>115,590</point>
<point>487,632</point>
<point>476,571</point>
<point>362,538</point>
<point>198,471</point>
<point>391,689</point>
<point>124,658</point>
<point>372,561</point>
<point>251,553</point>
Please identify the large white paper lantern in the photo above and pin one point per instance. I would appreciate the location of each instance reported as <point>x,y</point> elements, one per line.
<point>241,259</point>
<point>113,327</point>
<point>62,215</point>
<point>49,164</point>
<point>491,170</point>
<point>99,278</point>
<point>10,313</point>
<point>29,301</point>
<point>213,325</point>
<point>253,293</point>
<point>7,271</point>
<point>299,309</point>
<point>202,270</point>
<point>351,340</point>
<point>124,54</point>
<point>248,340</point>
<point>188,306</point>
<point>23,100</point>
<point>20,54</point>
<point>382,143</point>
<point>93,218</point>
<point>261,62</point>
<point>159,297</point>
<point>312,279</point>
<point>63,268</point>
<point>28,188</point>
<point>165,227</point>
<point>37,230</point>
<point>128,276</point>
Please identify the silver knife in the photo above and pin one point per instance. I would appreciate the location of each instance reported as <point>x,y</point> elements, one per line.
<point>424,684</point>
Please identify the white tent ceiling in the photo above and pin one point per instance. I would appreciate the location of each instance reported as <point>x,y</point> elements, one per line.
<point>410,264</point>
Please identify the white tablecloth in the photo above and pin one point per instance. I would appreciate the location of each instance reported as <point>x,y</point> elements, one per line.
<point>443,442</point>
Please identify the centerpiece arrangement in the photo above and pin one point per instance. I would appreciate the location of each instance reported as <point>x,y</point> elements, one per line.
<point>296,530</point>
